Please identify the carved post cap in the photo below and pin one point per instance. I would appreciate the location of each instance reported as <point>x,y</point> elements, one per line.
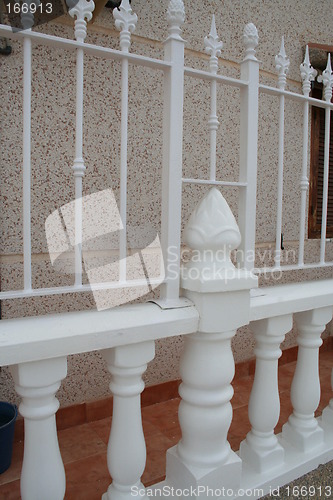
<point>175,18</point>
<point>212,225</point>
<point>250,40</point>
<point>212,233</point>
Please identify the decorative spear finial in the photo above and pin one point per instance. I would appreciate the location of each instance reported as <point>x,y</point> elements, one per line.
<point>82,10</point>
<point>308,73</point>
<point>175,18</point>
<point>282,64</point>
<point>213,46</point>
<point>326,78</point>
<point>250,39</point>
<point>125,21</point>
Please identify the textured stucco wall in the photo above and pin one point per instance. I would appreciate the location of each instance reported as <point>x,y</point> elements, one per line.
<point>53,125</point>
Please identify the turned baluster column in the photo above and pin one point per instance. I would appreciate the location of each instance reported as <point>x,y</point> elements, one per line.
<point>43,474</point>
<point>261,448</point>
<point>221,294</point>
<point>302,429</point>
<point>126,454</point>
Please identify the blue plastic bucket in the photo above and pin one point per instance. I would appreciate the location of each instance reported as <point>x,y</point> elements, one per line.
<point>8,414</point>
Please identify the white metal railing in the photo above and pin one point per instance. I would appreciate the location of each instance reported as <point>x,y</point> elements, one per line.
<point>308,74</point>
<point>174,73</point>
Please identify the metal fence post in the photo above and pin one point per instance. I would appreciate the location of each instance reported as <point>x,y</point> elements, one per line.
<point>248,149</point>
<point>172,150</point>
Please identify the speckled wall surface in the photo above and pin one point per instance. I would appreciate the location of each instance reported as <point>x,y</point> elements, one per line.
<point>53,125</point>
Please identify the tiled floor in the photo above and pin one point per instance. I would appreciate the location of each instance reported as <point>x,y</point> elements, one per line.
<point>83,447</point>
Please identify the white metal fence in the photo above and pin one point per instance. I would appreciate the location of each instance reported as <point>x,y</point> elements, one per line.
<point>174,72</point>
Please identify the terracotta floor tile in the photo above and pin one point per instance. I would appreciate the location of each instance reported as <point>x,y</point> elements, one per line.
<point>157,445</point>
<point>14,471</point>
<point>285,376</point>
<point>79,442</point>
<point>87,479</point>
<point>10,491</point>
<point>71,416</point>
<point>327,356</point>
<point>102,428</point>
<point>164,416</point>
<point>240,426</point>
<point>100,409</point>
<point>242,390</point>
<point>326,396</point>
<point>286,410</point>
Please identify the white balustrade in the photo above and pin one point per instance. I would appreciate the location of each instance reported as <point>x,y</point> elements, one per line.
<point>126,453</point>
<point>248,148</point>
<point>43,474</point>
<point>261,449</point>
<point>302,429</point>
<point>221,295</point>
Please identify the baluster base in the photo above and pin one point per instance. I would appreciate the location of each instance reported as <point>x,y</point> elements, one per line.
<point>261,452</point>
<point>119,493</point>
<point>182,475</point>
<point>306,437</point>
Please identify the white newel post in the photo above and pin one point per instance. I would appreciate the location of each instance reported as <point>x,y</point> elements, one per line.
<point>43,474</point>
<point>221,293</point>
<point>261,448</point>
<point>302,429</point>
<point>127,449</point>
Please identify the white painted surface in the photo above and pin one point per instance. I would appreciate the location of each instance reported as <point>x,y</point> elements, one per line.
<point>127,443</point>
<point>261,448</point>
<point>29,339</point>
<point>43,474</point>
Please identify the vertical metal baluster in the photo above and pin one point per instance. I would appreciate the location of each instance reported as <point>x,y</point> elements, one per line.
<point>82,10</point>
<point>213,47</point>
<point>27,21</point>
<point>308,74</point>
<point>282,65</point>
<point>327,79</point>
<point>125,22</point>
